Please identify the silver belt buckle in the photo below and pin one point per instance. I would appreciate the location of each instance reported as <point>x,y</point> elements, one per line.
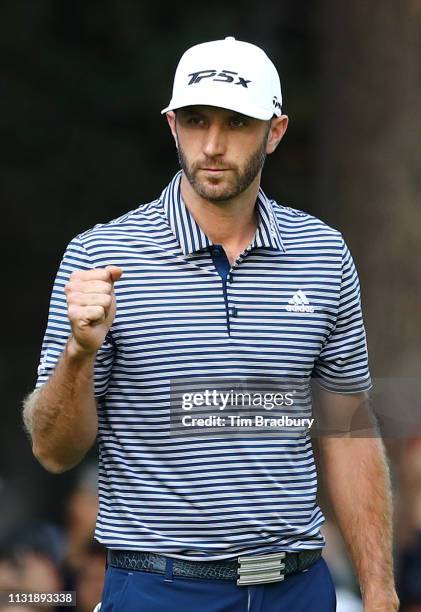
<point>260,569</point>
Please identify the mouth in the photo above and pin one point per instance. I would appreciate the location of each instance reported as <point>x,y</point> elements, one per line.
<point>215,170</point>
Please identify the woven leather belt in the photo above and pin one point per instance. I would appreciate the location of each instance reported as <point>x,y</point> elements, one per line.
<point>257,569</point>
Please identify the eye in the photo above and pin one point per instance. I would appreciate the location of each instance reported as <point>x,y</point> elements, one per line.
<point>237,121</point>
<point>195,120</point>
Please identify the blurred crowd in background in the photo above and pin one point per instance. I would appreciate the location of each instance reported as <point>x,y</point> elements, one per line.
<point>83,142</point>
<point>50,557</point>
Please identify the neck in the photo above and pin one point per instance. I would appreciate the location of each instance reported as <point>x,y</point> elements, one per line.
<point>231,223</point>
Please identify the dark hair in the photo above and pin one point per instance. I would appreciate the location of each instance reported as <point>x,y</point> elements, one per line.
<point>40,538</point>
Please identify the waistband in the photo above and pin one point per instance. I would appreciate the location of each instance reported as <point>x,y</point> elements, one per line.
<point>250,569</point>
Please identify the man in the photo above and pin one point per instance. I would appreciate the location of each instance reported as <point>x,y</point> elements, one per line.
<point>213,279</point>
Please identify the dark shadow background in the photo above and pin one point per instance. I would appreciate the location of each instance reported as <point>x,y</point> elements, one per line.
<point>83,141</point>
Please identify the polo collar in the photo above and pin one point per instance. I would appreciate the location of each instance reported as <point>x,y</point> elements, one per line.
<point>192,238</point>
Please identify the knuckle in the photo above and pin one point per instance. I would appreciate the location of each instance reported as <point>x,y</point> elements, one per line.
<point>101,274</point>
<point>72,297</point>
<point>73,312</point>
<point>76,275</point>
<point>99,287</point>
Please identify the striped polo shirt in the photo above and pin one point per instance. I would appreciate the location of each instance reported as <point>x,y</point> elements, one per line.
<point>289,306</point>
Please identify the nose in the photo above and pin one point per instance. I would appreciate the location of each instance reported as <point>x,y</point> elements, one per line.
<point>214,141</point>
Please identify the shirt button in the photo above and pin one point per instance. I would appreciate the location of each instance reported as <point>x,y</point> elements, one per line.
<point>234,311</point>
<point>216,251</point>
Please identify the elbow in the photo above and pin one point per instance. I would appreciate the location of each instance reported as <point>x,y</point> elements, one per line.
<point>55,468</point>
<point>51,464</point>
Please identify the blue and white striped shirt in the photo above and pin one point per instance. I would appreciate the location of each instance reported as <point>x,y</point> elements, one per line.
<point>291,308</point>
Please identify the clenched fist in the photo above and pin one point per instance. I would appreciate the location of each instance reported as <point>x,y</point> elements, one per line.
<point>91,306</point>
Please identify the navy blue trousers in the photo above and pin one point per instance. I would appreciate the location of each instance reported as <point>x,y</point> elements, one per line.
<point>311,590</point>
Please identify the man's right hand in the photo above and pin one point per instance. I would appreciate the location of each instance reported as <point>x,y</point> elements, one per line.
<point>91,307</point>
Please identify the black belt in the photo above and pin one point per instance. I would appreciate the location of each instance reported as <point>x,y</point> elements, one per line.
<point>245,569</point>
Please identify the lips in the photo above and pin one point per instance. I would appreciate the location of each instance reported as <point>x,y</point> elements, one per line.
<point>215,169</point>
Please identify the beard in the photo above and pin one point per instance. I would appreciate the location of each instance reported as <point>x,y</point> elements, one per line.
<point>215,191</point>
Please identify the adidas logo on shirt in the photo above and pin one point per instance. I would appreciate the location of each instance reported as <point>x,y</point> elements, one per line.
<point>299,303</point>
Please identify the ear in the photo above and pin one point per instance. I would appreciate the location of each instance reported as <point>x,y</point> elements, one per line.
<point>278,127</point>
<point>171,122</point>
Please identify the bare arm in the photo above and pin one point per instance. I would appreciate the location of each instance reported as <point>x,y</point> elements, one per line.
<point>355,473</point>
<point>61,416</point>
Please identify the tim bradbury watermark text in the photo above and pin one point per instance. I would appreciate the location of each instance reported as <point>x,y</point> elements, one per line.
<point>257,420</point>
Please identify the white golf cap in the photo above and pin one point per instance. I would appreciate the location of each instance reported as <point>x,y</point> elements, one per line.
<point>228,74</point>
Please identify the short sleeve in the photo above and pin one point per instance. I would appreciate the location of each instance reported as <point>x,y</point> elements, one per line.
<point>342,365</point>
<point>58,326</point>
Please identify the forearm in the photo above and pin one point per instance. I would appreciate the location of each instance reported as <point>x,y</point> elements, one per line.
<point>61,416</point>
<point>357,481</point>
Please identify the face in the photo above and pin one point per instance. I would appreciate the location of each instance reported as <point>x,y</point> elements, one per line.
<point>221,152</point>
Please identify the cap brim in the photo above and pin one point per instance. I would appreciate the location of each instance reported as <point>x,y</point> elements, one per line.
<point>239,106</point>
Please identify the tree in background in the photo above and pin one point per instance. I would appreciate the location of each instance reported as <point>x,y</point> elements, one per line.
<point>369,164</point>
